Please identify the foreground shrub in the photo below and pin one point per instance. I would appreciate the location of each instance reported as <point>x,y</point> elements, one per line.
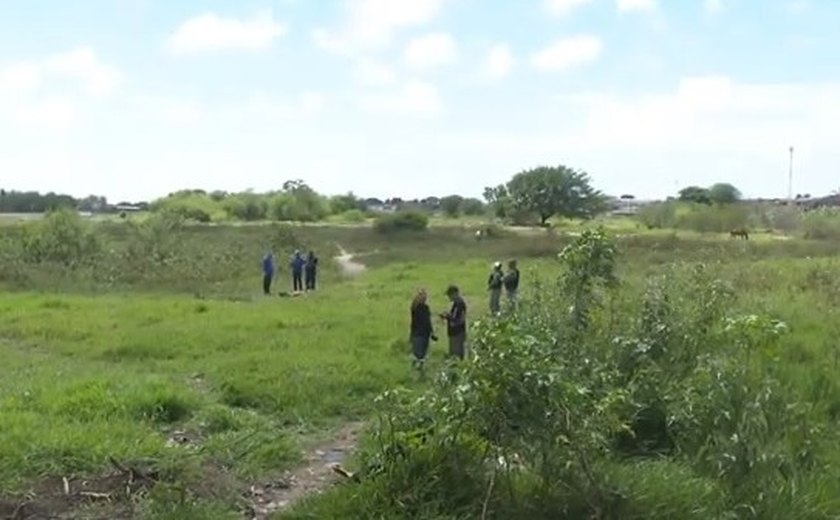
<point>401,221</point>
<point>569,409</point>
<point>61,237</point>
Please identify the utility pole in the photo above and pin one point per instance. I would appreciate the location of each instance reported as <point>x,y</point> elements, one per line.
<point>790,176</point>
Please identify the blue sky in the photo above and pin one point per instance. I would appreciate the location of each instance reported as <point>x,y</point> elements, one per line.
<point>137,98</point>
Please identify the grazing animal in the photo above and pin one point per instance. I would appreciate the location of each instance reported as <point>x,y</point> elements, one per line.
<point>739,233</point>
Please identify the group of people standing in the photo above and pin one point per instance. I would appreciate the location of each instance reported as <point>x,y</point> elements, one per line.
<point>422,331</point>
<point>304,271</point>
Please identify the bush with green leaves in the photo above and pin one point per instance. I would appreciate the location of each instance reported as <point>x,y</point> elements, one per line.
<point>821,224</point>
<point>411,221</point>
<point>580,405</point>
<point>61,237</point>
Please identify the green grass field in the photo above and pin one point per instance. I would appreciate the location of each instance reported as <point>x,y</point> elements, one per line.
<point>120,357</point>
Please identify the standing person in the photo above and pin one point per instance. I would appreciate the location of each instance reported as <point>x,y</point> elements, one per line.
<point>421,328</point>
<point>456,323</point>
<point>512,283</point>
<point>311,270</point>
<point>494,285</point>
<point>297,271</point>
<point>268,272</point>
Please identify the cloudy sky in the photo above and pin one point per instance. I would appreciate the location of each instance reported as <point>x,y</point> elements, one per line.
<point>136,98</point>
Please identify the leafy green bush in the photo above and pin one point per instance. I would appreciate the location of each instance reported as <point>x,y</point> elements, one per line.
<point>713,219</point>
<point>353,216</point>
<point>401,221</point>
<point>246,206</point>
<point>571,409</point>
<point>61,237</point>
<point>659,215</point>
<point>821,224</point>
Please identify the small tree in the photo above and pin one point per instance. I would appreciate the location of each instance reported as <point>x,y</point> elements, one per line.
<point>695,194</point>
<point>451,205</point>
<point>549,191</point>
<point>472,207</point>
<point>724,193</point>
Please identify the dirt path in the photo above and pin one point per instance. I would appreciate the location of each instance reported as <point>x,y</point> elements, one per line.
<point>315,475</point>
<point>346,262</point>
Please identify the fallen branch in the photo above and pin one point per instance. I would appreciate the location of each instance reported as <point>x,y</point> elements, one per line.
<point>341,471</point>
<point>95,496</point>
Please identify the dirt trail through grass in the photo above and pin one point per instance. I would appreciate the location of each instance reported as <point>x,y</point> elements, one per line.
<point>317,473</point>
<point>347,263</point>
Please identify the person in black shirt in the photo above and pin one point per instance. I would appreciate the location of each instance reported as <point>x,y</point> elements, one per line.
<point>310,270</point>
<point>512,283</point>
<point>421,328</point>
<point>494,285</point>
<point>456,323</point>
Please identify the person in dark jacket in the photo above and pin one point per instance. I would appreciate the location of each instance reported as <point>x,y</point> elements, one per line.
<point>297,264</point>
<point>310,271</point>
<point>494,285</point>
<point>512,283</point>
<point>456,323</point>
<point>421,328</point>
<point>268,272</point>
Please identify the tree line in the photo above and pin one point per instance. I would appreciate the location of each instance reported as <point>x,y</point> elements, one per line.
<point>12,201</point>
<point>532,196</point>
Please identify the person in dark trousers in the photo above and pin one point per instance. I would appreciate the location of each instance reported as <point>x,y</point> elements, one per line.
<point>268,272</point>
<point>494,285</point>
<point>456,323</point>
<point>297,271</point>
<point>512,283</point>
<point>421,329</point>
<point>311,270</point>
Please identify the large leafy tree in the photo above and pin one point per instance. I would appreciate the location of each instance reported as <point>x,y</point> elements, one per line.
<point>724,193</point>
<point>452,205</point>
<point>695,194</point>
<point>550,191</point>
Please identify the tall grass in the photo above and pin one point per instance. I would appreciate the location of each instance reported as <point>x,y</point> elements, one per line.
<point>112,354</point>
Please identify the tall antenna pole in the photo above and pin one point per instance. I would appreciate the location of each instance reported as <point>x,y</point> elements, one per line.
<point>790,176</point>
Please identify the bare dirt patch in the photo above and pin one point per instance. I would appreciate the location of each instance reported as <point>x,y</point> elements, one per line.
<point>348,265</point>
<point>58,498</point>
<point>321,469</point>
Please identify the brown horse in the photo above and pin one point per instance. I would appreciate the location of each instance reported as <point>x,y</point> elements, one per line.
<point>740,233</point>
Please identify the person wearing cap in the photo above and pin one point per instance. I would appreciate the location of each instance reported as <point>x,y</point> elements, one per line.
<point>494,285</point>
<point>297,264</point>
<point>456,323</point>
<point>512,283</point>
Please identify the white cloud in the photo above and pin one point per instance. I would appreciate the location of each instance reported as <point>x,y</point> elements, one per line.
<point>567,53</point>
<point>415,98</point>
<point>713,6</point>
<point>83,64</point>
<point>708,113</point>
<point>635,5</point>
<point>371,24</point>
<point>211,33</point>
<point>80,64</point>
<point>53,113</point>
<point>374,74</point>
<point>46,93</point>
<point>183,112</point>
<point>563,7</point>
<point>20,76</point>
<point>270,107</point>
<point>498,62</point>
<point>430,51</point>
